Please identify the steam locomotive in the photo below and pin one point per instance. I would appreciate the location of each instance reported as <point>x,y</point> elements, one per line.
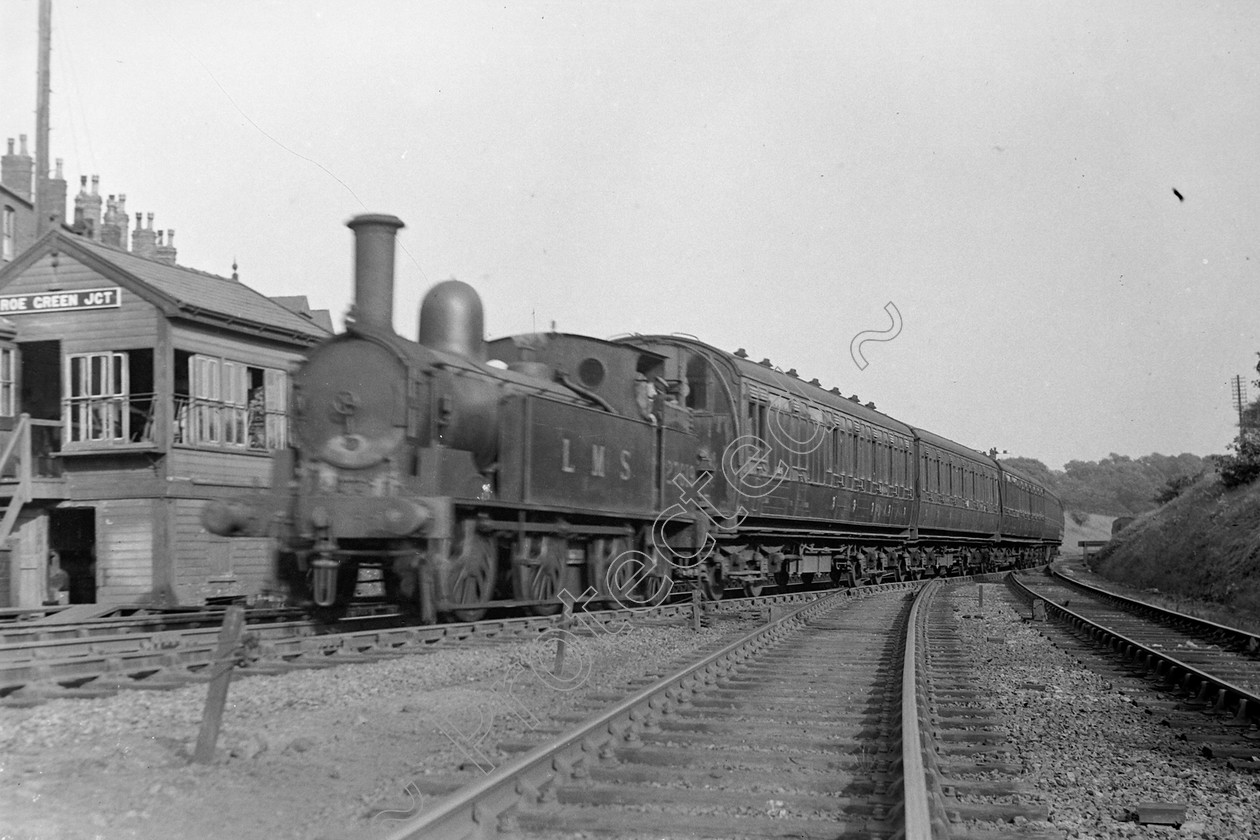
<point>475,474</point>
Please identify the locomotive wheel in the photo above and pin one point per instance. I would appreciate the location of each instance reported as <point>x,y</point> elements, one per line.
<point>781,580</point>
<point>629,587</point>
<point>603,554</point>
<point>836,577</point>
<point>807,578</point>
<point>539,574</point>
<point>712,584</point>
<point>474,558</point>
<point>753,588</point>
<point>852,579</point>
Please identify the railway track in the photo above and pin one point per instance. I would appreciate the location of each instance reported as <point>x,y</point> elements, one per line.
<point>1205,662</point>
<point>125,620</point>
<point>103,660</point>
<point>791,728</point>
<point>847,717</point>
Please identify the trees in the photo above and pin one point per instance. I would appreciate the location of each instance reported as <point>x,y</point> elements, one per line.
<point>1243,467</point>
<point>1117,485</point>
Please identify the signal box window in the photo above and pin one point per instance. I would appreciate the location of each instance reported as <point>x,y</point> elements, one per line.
<point>109,397</point>
<point>8,404</point>
<point>225,403</point>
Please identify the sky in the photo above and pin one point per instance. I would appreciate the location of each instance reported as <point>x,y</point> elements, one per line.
<point>1059,201</point>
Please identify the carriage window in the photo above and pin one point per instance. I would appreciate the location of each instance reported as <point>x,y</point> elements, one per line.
<point>756,419</point>
<point>697,384</point>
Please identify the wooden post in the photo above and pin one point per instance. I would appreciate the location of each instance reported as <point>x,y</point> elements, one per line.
<point>981,588</point>
<point>566,621</point>
<point>221,676</point>
<point>695,610</point>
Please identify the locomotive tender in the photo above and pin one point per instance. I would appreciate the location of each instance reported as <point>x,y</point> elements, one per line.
<point>476,473</point>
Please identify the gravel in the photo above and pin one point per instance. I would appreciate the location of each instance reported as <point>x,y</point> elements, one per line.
<point>1095,742</point>
<point>335,752</point>
<point>344,751</point>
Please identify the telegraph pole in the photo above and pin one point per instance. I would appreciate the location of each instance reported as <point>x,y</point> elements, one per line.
<point>1239,389</point>
<point>42,130</point>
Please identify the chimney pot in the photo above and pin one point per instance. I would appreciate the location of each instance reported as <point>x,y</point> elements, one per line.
<point>96,183</point>
<point>22,143</point>
<point>10,145</point>
<point>58,169</point>
<point>149,226</point>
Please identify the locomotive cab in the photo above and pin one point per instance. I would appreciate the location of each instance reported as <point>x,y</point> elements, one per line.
<point>624,380</point>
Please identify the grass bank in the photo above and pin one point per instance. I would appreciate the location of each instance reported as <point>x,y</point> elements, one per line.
<point>1201,551</point>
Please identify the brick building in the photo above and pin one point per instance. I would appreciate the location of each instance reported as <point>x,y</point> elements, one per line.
<point>17,200</point>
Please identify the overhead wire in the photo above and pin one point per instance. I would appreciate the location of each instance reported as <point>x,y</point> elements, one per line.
<point>65,58</point>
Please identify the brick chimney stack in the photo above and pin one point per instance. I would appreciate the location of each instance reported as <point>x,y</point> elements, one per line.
<point>144,240</point>
<point>80,209</point>
<point>55,197</point>
<point>124,221</point>
<point>111,231</point>
<point>18,170</point>
<point>165,253</point>
<point>92,210</point>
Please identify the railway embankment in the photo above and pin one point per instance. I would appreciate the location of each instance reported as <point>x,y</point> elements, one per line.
<point>1199,553</point>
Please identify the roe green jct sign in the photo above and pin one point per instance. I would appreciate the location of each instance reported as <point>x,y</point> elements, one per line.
<point>59,301</point>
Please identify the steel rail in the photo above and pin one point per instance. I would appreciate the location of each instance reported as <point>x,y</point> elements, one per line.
<point>476,809</point>
<point>1229,698</point>
<point>1243,638</point>
<point>915,732</point>
<point>178,654</point>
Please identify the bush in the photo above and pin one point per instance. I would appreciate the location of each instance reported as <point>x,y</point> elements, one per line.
<point>1174,487</point>
<point>1244,467</point>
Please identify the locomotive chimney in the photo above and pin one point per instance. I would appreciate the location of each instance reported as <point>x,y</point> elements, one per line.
<point>374,236</point>
<point>451,320</point>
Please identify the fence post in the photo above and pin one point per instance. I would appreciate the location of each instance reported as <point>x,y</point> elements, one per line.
<point>221,676</point>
